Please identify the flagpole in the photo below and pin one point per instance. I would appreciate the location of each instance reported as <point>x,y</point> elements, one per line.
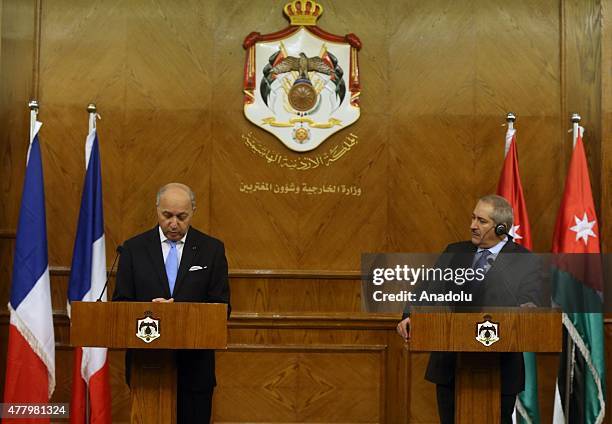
<point>91,109</point>
<point>575,128</point>
<point>33,105</point>
<point>510,118</point>
<point>570,344</point>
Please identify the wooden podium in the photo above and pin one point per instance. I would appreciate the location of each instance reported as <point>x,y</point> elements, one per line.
<point>477,376</point>
<point>154,330</point>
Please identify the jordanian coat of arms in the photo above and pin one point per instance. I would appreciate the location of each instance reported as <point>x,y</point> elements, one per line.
<point>487,332</point>
<point>147,328</point>
<point>301,83</point>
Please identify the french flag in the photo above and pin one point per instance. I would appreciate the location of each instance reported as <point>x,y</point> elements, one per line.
<point>90,401</point>
<point>30,363</point>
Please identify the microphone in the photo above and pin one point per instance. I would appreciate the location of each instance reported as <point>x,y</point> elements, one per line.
<point>108,274</point>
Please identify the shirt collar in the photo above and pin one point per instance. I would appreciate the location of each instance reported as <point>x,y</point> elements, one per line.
<point>163,238</point>
<point>495,249</point>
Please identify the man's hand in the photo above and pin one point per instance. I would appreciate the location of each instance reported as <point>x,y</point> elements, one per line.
<point>403,329</point>
<point>162,300</point>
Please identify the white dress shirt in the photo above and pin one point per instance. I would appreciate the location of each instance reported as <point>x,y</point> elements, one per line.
<point>494,252</point>
<point>165,245</point>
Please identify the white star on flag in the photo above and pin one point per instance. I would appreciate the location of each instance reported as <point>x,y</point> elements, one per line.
<point>514,232</point>
<point>583,228</point>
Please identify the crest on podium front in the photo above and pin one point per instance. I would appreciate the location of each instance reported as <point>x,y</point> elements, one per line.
<point>147,328</point>
<point>487,332</point>
<point>302,83</point>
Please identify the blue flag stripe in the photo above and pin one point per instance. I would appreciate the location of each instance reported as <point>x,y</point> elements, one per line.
<point>31,257</point>
<point>90,227</point>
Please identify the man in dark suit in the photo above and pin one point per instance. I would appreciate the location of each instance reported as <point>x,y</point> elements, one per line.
<point>174,262</point>
<point>512,278</point>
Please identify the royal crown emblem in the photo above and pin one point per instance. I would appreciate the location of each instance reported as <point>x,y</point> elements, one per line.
<point>147,328</point>
<point>303,12</point>
<point>302,83</point>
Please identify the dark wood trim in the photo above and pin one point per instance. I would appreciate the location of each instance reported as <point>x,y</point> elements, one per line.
<point>346,320</point>
<point>259,273</point>
<point>295,273</point>
<point>7,234</point>
<point>303,347</point>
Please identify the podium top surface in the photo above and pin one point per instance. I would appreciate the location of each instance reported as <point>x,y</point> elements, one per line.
<point>149,325</point>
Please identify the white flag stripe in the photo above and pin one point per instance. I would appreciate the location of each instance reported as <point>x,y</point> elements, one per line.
<point>558,417</point>
<point>98,271</point>
<point>92,361</point>
<point>88,146</point>
<point>509,134</point>
<point>35,310</point>
<point>37,125</point>
<point>94,358</point>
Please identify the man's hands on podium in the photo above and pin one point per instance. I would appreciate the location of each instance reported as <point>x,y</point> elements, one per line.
<point>403,329</point>
<point>162,300</point>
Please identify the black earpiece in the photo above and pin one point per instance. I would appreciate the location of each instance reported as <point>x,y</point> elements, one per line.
<point>501,229</point>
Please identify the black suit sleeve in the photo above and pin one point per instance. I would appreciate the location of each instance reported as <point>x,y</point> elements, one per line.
<point>218,290</point>
<point>531,281</point>
<point>124,282</point>
<point>442,263</point>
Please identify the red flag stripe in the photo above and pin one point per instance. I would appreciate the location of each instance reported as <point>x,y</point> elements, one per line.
<point>25,367</point>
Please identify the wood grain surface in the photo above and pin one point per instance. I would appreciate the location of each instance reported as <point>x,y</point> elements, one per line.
<point>518,331</point>
<point>437,79</point>
<point>180,325</point>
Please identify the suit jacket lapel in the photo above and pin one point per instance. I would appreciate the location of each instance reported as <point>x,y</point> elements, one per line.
<point>501,262</point>
<point>190,253</point>
<point>466,258</point>
<point>157,258</point>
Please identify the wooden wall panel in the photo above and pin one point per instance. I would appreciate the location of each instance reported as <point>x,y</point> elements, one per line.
<point>295,385</point>
<point>82,61</point>
<point>438,78</point>
<point>582,82</point>
<point>472,68</point>
<point>279,295</point>
<point>169,78</point>
<point>153,70</point>
<point>17,26</point>
<point>430,139</point>
<point>606,126</point>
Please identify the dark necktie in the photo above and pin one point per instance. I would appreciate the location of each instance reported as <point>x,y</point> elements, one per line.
<point>482,262</point>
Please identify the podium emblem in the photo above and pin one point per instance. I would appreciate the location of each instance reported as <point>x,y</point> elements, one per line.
<point>147,328</point>
<point>487,332</point>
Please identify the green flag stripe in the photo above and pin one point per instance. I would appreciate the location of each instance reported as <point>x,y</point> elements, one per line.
<point>597,408</point>
<point>527,401</point>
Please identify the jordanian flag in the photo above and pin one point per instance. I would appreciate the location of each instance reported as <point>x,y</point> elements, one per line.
<point>511,189</point>
<point>581,382</point>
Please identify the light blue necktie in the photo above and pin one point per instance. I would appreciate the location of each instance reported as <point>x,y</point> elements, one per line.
<point>172,265</point>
